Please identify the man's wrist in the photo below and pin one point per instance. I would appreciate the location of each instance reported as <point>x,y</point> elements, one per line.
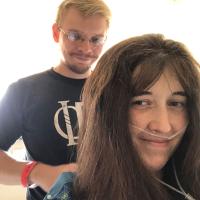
<point>26,173</point>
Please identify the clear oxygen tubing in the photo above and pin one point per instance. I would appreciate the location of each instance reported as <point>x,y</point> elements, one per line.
<point>160,136</point>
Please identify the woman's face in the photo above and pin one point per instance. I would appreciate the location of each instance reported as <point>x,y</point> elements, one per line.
<point>158,111</point>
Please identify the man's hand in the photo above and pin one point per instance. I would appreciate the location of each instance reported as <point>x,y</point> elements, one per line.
<point>45,175</point>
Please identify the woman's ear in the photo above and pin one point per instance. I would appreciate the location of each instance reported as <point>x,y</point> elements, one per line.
<point>56,32</point>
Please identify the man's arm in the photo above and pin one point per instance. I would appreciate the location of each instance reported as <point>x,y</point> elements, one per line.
<point>42,175</point>
<point>45,175</point>
<point>10,169</point>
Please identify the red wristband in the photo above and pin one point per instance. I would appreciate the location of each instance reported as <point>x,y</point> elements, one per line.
<point>26,172</point>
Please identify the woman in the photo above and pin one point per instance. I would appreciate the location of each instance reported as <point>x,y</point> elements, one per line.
<point>140,137</point>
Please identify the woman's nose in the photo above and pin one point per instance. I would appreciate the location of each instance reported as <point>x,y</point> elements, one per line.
<point>160,121</point>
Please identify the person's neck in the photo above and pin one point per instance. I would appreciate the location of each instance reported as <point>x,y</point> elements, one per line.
<point>157,173</point>
<point>70,74</point>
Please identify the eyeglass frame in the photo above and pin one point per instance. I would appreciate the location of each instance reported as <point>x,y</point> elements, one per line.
<point>82,38</point>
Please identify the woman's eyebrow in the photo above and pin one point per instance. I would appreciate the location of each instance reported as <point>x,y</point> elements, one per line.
<point>180,93</point>
<point>143,93</point>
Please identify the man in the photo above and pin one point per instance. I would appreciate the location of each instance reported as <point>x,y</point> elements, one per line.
<point>44,109</point>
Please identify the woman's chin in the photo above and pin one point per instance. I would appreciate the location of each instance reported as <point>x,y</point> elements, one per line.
<point>155,166</point>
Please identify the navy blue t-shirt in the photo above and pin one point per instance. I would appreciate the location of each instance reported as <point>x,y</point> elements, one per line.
<point>45,110</point>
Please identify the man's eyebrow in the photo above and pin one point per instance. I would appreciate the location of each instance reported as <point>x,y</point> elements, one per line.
<point>81,32</point>
<point>74,30</point>
<point>181,93</point>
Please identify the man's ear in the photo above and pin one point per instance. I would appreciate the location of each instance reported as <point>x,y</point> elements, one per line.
<point>56,32</point>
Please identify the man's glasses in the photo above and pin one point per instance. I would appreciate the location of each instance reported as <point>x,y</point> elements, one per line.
<point>75,36</point>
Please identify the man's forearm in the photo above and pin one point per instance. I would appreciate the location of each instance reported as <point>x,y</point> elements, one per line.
<point>42,175</point>
<point>10,169</point>
<point>45,175</point>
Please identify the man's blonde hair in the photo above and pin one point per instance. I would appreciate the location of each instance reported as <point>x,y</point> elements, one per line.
<point>86,7</point>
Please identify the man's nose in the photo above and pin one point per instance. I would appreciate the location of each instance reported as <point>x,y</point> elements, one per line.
<point>86,46</point>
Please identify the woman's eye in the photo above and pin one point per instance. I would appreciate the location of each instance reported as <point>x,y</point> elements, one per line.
<point>140,103</point>
<point>177,104</point>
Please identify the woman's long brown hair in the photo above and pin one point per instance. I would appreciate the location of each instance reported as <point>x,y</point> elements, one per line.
<point>108,164</point>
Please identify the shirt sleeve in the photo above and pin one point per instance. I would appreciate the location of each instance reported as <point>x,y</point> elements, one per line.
<point>10,117</point>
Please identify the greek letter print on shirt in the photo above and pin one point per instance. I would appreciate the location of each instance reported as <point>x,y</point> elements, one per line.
<point>68,109</point>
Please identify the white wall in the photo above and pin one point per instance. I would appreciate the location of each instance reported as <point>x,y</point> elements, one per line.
<point>26,44</point>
